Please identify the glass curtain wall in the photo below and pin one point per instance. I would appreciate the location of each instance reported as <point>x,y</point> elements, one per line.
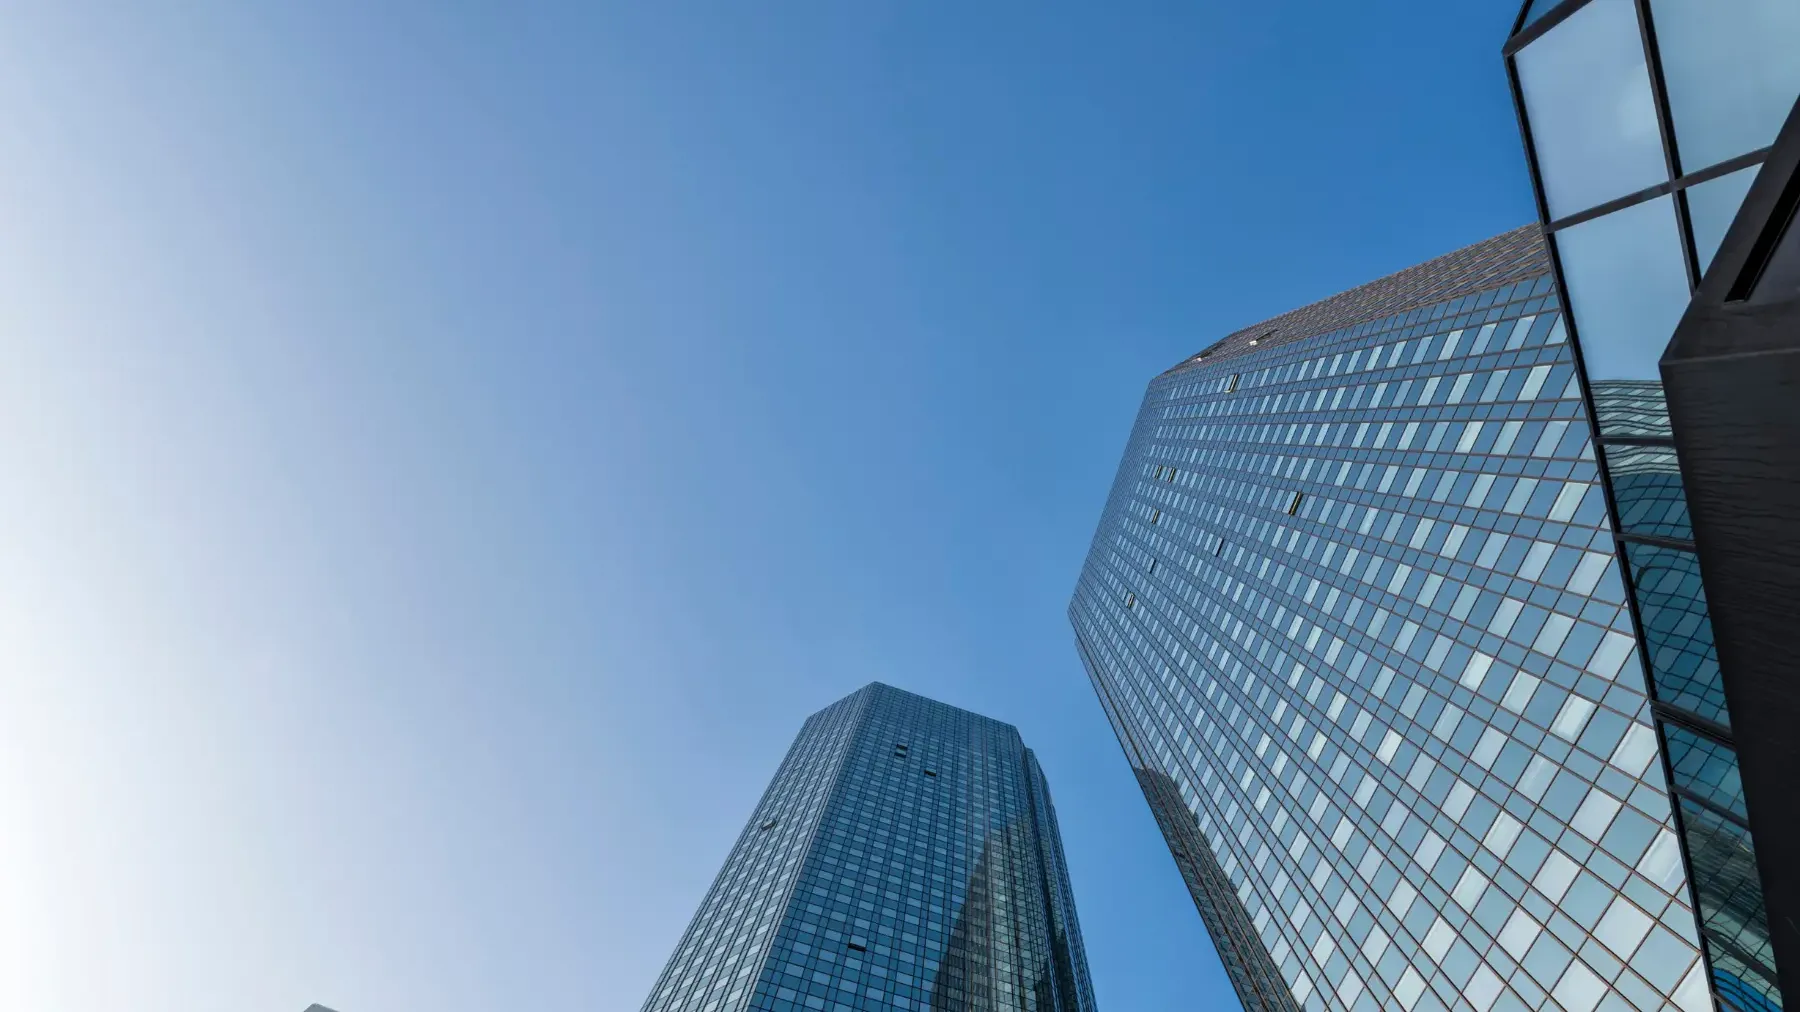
<point>1645,122</point>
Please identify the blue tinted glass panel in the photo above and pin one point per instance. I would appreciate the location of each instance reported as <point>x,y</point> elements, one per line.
<point>1646,483</point>
<point>1588,105</point>
<point>1631,408</point>
<point>1731,903</point>
<point>1627,285</point>
<point>1712,205</point>
<point>1677,629</point>
<point>1706,768</point>
<point>1733,70</point>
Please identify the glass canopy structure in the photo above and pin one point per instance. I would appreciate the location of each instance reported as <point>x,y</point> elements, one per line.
<point>1645,124</point>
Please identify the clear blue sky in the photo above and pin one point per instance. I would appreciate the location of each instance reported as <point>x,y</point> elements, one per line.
<point>447,448</point>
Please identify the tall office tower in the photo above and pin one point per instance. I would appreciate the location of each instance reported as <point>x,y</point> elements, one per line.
<point>1646,123</point>
<point>1354,613</point>
<point>905,857</point>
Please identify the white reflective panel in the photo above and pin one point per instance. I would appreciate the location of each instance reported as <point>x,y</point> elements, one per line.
<point>1627,285</point>
<point>1579,990</point>
<point>1732,68</point>
<point>1713,204</point>
<point>1588,104</point>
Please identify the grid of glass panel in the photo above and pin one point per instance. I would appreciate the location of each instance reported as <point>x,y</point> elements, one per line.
<point>1354,595</point>
<point>925,873</point>
<point>1656,112</point>
<point>1685,680</point>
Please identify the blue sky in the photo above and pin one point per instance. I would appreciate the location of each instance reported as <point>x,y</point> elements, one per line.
<point>449,447</point>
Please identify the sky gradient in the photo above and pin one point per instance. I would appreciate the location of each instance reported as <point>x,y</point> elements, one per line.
<point>448,448</point>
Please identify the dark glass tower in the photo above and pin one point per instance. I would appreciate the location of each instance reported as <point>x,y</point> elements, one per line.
<point>1355,611</point>
<point>905,857</point>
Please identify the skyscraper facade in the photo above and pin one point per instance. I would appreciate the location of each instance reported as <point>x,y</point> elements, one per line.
<point>905,857</point>
<point>1646,122</point>
<point>1354,611</point>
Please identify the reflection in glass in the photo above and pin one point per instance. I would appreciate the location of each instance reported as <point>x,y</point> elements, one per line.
<point>1711,207</point>
<point>1627,285</point>
<point>1646,484</point>
<point>1731,904</point>
<point>1677,630</point>
<point>1631,408</point>
<point>1732,68</point>
<point>1253,974</point>
<point>1587,102</point>
<point>1706,768</point>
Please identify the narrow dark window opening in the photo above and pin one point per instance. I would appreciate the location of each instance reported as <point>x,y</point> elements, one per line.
<point>931,773</point>
<point>1231,384</point>
<point>1155,516</point>
<point>853,947</point>
<point>1152,565</point>
<point>1130,599</point>
<point>1294,504</point>
<point>770,824</point>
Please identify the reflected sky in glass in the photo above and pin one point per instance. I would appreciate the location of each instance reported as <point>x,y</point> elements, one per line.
<point>1587,98</point>
<point>1711,207</point>
<point>1628,287</point>
<point>1732,68</point>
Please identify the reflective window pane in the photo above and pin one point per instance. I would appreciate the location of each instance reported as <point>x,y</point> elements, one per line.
<point>1732,68</point>
<point>1677,629</point>
<point>1706,768</point>
<point>1646,482</point>
<point>1588,104</point>
<point>1628,287</point>
<point>1631,408</point>
<point>1712,205</point>
<point>1731,905</point>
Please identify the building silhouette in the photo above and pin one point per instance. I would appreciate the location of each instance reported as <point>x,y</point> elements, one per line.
<point>906,855</point>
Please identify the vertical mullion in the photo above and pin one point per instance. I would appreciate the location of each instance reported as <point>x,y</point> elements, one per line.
<point>1665,124</point>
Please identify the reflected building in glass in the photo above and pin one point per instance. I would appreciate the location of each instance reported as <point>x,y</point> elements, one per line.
<point>1646,123</point>
<point>906,856</point>
<point>1354,612</point>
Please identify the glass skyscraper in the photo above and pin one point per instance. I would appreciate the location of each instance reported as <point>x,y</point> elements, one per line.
<point>1646,123</point>
<point>905,857</point>
<point>1355,613</point>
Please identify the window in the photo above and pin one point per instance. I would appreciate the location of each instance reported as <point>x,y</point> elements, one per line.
<point>1294,504</point>
<point>769,824</point>
<point>1155,516</point>
<point>1231,384</point>
<point>1627,286</point>
<point>1731,70</point>
<point>931,773</point>
<point>1130,599</point>
<point>1588,103</point>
